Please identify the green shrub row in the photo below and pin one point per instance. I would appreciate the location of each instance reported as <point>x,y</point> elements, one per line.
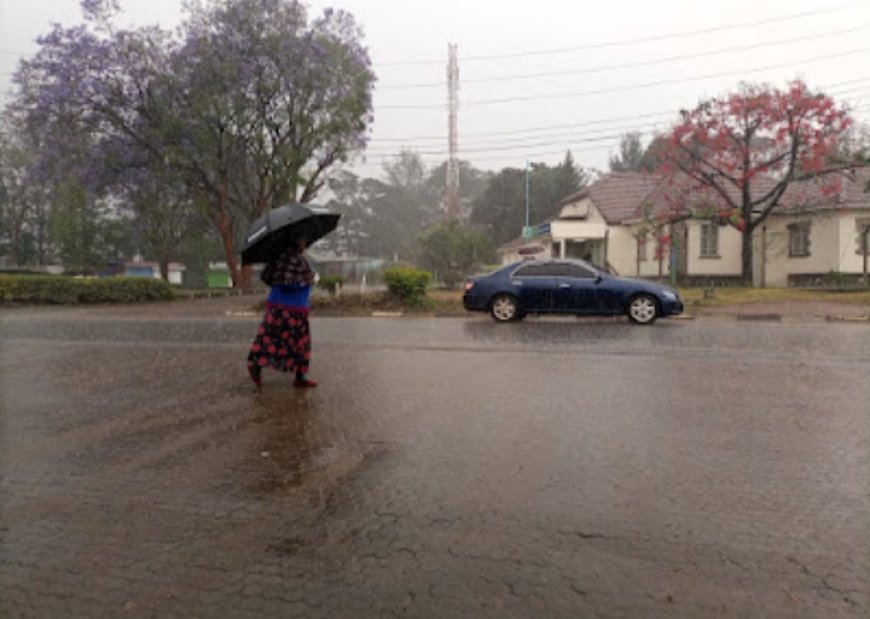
<point>331,282</point>
<point>63,290</point>
<point>407,283</point>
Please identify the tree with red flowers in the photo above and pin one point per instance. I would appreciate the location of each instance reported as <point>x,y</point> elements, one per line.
<point>731,159</point>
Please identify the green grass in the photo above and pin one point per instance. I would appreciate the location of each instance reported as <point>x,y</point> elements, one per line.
<point>694,297</point>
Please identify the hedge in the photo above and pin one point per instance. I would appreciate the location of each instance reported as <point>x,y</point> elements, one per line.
<point>63,290</point>
<point>407,283</point>
<point>331,282</point>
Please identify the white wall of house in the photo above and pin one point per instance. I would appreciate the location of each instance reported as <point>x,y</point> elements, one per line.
<point>578,221</point>
<point>512,254</point>
<point>581,209</point>
<point>727,261</point>
<point>622,251</point>
<point>824,250</point>
<point>622,254</point>
<point>579,232</point>
<point>851,257</point>
<point>570,230</point>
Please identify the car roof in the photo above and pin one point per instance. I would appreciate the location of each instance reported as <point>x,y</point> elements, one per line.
<point>553,261</point>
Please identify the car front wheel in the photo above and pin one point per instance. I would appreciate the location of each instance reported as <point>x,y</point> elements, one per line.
<point>504,308</point>
<point>643,309</point>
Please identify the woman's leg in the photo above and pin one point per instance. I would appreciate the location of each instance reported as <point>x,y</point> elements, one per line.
<point>256,358</point>
<point>304,356</point>
<point>302,380</point>
<point>254,371</point>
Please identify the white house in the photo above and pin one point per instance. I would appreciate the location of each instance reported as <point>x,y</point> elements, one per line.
<point>812,240</point>
<point>813,237</point>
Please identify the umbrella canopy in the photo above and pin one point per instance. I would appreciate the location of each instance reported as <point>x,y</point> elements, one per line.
<point>271,234</point>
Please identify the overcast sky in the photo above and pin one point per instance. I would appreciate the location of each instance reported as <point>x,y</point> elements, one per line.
<point>544,76</point>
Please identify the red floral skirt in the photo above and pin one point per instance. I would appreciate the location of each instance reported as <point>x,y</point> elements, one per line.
<point>283,340</point>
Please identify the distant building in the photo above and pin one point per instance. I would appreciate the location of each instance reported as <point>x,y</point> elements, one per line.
<point>152,269</point>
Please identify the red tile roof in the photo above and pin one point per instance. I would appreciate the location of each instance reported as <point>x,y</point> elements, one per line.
<point>618,195</point>
<point>621,197</point>
<point>838,190</point>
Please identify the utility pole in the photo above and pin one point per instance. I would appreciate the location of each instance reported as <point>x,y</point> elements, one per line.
<point>451,197</point>
<point>527,231</point>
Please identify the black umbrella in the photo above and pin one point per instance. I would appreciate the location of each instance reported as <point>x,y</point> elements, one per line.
<point>271,234</point>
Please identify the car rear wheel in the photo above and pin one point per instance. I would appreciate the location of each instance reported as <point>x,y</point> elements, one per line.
<point>504,308</point>
<point>643,309</point>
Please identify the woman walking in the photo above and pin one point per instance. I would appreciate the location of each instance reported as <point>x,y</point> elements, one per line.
<point>283,340</point>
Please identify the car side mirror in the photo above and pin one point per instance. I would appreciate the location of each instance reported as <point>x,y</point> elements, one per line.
<point>598,278</point>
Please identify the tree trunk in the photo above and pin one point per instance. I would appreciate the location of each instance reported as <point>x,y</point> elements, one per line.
<point>14,240</point>
<point>228,238</point>
<point>864,249</point>
<point>164,268</point>
<point>637,256</point>
<point>247,271</point>
<point>746,256</point>
<point>225,228</point>
<point>41,237</point>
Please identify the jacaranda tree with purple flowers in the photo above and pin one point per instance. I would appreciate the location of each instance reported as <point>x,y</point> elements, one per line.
<point>250,107</point>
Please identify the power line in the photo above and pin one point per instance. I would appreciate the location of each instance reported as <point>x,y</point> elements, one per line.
<point>635,41</point>
<point>568,95</point>
<point>629,65</point>
<point>521,142</point>
<point>536,141</point>
<point>532,129</point>
<point>531,156</point>
<point>474,137</point>
<point>607,120</point>
<point>608,138</point>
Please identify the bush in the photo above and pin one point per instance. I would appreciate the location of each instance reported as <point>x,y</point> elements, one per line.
<point>64,290</point>
<point>124,290</point>
<point>408,284</point>
<point>331,282</point>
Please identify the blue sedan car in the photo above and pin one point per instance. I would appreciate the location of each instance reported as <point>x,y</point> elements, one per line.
<point>567,287</point>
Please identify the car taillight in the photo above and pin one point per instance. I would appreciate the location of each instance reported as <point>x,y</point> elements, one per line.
<point>469,285</point>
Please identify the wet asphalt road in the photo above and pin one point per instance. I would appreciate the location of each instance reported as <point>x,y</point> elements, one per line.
<point>444,468</point>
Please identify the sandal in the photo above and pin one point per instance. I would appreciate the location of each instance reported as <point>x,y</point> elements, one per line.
<point>304,381</point>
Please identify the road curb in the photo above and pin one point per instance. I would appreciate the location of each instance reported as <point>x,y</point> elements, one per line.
<point>865,318</point>
<point>682,317</point>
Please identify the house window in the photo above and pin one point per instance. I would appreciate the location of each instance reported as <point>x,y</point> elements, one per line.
<point>861,227</point>
<point>642,243</point>
<point>709,240</point>
<point>799,240</point>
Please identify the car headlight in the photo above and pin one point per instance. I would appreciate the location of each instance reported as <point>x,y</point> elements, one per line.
<point>671,296</point>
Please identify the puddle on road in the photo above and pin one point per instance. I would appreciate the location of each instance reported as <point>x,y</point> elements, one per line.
<point>298,447</point>
<point>285,442</point>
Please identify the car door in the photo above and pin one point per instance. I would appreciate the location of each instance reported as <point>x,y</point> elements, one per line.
<point>534,285</point>
<point>576,290</point>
